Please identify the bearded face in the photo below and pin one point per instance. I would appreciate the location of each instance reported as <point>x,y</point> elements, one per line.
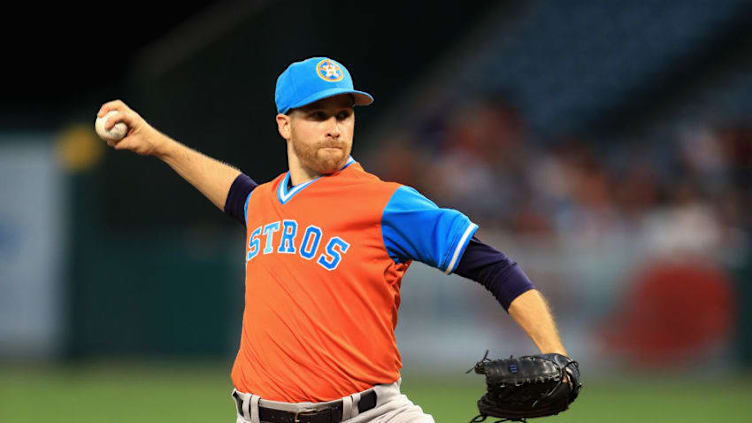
<point>324,157</point>
<point>321,134</point>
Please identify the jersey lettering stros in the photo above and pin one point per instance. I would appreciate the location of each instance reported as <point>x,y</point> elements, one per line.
<point>307,249</point>
<point>324,263</point>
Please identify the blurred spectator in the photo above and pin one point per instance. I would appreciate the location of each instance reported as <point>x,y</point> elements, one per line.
<point>481,158</point>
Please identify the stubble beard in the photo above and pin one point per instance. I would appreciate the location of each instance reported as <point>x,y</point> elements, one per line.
<point>321,161</point>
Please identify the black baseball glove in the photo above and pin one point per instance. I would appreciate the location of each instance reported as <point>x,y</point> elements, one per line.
<point>527,386</point>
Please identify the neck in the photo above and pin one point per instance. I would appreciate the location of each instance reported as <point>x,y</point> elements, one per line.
<point>301,175</point>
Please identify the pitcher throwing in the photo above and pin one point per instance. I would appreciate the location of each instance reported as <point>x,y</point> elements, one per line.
<point>327,244</point>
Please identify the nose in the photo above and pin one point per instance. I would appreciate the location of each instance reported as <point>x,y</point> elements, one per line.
<point>333,128</point>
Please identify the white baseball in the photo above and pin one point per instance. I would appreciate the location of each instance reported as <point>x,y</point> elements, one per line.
<point>115,134</point>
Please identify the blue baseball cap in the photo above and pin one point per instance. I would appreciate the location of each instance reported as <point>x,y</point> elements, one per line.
<point>313,79</point>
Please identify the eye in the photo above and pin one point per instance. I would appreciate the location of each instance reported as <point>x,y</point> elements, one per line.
<point>318,115</point>
<point>343,115</point>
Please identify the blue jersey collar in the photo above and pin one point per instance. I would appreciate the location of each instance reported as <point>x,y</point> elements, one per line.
<point>285,193</point>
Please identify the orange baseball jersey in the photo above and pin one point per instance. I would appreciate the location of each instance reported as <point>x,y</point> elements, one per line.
<point>324,263</point>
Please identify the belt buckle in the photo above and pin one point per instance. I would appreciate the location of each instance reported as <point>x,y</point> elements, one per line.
<point>328,411</point>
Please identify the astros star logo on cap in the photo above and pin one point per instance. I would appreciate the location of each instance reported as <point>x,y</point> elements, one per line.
<point>329,71</point>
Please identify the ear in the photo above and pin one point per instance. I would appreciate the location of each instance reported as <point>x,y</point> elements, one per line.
<point>283,125</point>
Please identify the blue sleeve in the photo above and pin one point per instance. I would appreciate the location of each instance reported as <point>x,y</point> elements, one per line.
<point>414,228</point>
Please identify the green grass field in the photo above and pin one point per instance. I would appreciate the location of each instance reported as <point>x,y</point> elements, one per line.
<point>187,393</point>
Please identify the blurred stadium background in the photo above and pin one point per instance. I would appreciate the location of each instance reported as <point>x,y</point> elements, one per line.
<point>605,146</point>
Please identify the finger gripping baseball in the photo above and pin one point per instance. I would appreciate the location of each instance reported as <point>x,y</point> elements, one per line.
<point>528,386</point>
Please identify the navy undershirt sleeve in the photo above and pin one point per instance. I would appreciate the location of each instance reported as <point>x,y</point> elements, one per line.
<point>495,271</point>
<point>239,191</point>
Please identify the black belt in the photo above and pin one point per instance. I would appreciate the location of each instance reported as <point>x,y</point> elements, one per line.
<point>331,414</point>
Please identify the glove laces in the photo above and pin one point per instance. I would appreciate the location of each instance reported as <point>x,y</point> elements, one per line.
<point>480,417</point>
<point>479,365</point>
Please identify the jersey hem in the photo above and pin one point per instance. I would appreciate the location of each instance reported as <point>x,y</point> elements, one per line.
<point>309,401</point>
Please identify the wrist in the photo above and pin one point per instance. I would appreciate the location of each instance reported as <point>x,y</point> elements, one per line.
<point>164,147</point>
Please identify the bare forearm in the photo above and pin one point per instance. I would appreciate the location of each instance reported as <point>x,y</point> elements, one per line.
<point>531,312</point>
<point>210,176</point>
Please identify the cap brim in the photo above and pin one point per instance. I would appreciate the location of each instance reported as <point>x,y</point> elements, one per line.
<point>361,98</point>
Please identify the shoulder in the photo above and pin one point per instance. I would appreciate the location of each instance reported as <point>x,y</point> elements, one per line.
<point>354,174</point>
<point>265,190</point>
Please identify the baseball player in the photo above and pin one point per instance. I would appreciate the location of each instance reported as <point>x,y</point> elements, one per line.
<point>327,244</point>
